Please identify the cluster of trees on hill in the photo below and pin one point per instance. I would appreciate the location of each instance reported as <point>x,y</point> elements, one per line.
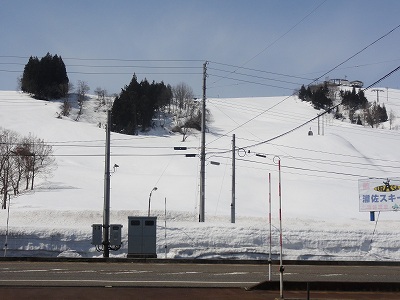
<point>318,96</point>
<point>135,106</point>
<point>354,100</point>
<point>321,98</point>
<point>371,114</point>
<point>376,114</point>
<point>45,78</point>
<point>133,109</point>
<point>22,159</point>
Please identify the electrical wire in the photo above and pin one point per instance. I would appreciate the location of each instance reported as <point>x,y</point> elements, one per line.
<point>384,77</point>
<point>357,66</point>
<point>253,76</point>
<point>112,59</point>
<point>251,119</point>
<point>306,122</point>
<point>354,55</point>
<point>257,70</point>
<point>137,73</point>
<point>252,82</point>
<point>279,38</point>
<point>331,162</point>
<point>332,153</point>
<point>238,107</point>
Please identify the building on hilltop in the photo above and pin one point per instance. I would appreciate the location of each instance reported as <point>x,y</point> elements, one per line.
<point>357,83</point>
<point>344,82</point>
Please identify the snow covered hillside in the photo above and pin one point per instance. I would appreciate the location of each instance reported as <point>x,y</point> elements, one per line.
<point>320,173</point>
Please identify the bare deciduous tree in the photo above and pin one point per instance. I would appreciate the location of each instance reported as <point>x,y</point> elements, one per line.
<point>65,108</point>
<point>182,94</point>
<point>392,117</point>
<point>81,90</point>
<point>8,139</point>
<point>187,110</point>
<point>39,159</point>
<point>24,158</point>
<point>102,98</point>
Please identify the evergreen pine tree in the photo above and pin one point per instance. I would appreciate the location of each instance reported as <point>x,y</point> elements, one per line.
<point>136,105</point>
<point>302,93</point>
<point>45,78</point>
<point>383,116</point>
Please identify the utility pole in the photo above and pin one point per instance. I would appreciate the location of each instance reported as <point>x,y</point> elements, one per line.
<point>203,148</point>
<point>270,228</point>
<point>387,94</point>
<point>233,180</point>
<point>281,268</point>
<point>106,209</point>
<point>377,94</point>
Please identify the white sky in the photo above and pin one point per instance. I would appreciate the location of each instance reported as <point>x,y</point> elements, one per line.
<point>296,38</point>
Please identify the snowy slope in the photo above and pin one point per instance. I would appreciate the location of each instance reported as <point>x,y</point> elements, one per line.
<point>319,173</point>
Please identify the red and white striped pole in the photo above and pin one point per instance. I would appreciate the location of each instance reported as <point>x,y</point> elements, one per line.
<point>281,268</point>
<point>270,228</point>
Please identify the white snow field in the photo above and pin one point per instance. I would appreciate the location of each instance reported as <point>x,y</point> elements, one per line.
<point>319,180</point>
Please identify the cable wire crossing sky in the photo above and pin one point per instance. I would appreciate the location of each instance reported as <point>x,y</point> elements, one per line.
<point>254,48</point>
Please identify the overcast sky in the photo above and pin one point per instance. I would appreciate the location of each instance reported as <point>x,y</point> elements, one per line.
<point>279,44</point>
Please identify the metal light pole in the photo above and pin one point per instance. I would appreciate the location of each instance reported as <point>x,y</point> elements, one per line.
<point>154,189</point>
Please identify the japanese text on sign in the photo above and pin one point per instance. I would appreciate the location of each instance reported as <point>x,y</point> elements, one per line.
<point>379,194</point>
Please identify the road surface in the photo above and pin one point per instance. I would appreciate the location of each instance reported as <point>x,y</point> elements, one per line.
<point>131,280</point>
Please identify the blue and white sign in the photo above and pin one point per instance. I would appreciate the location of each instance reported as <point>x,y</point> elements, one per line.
<point>379,194</point>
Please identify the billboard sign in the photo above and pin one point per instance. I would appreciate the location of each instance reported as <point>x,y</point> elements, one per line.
<point>379,194</point>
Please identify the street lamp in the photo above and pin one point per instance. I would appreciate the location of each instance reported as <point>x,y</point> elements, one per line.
<point>154,189</point>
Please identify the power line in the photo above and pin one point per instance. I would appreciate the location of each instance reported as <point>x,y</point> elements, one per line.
<point>346,164</point>
<point>283,35</point>
<point>137,73</point>
<point>384,77</point>
<point>354,55</point>
<point>10,71</point>
<point>236,106</point>
<point>331,153</point>
<point>357,66</point>
<point>339,163</point>
<point>252,82</point>
<point>280,37</point>
<point>317,80</point>
<point>248,121</point>
<point>254,76</point>
<point>307,169</point>
<point>329,110</point>
<point>258,70</point>
<point>135,66</point>
<point>111,59</point>
<point>173,67</point>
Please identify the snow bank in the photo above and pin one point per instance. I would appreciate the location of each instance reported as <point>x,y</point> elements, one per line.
<point>320,173</point>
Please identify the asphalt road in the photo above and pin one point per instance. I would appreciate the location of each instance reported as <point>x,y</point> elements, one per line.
<point>132,280</point>
<point>122,293</point>
<point>129,274</point>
